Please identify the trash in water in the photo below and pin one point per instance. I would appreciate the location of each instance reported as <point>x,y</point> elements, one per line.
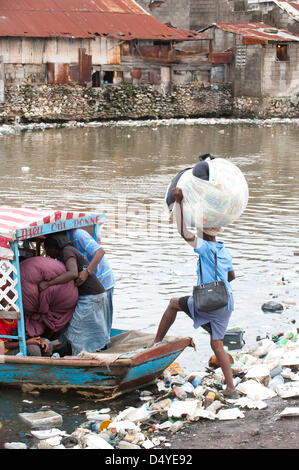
<point>272,307</point>
<point>42,418</point>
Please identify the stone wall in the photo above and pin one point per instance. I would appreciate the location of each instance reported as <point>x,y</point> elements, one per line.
<point>264,108</point>
<point>63,103</point>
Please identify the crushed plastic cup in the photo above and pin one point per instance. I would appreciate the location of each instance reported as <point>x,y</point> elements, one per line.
<point>104,424</point>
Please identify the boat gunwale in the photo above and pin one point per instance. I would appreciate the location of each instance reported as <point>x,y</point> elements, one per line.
<point>143,356</point>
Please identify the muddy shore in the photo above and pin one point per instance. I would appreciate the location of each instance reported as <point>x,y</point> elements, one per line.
<point>260,429</point>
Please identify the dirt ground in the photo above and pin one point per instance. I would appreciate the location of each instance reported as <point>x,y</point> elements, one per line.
<point>260,429</point>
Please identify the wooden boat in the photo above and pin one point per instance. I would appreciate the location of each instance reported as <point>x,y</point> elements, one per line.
<point>103,375</point>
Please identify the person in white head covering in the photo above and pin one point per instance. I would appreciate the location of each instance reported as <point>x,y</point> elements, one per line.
<point>216,321</point>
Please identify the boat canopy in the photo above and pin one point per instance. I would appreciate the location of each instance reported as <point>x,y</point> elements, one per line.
<point>24,223</point>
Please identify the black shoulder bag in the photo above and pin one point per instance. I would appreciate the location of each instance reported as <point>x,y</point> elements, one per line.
<point>211,296</point>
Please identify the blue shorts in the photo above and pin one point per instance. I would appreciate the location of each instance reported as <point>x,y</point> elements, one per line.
<point>215,322</point>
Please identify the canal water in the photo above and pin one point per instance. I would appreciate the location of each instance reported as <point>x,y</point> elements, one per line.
<point>124,172</point>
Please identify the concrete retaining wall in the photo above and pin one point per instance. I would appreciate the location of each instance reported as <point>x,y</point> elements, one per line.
<point>63,103</point>
<point>66,103</point>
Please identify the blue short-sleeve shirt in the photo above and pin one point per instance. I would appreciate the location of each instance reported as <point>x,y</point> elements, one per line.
<point>86,244</point>
<point>206,251</point>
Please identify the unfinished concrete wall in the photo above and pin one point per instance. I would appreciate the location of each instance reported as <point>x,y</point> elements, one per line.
<point>2,81</point>
<point>248,70</point>
<point>205,12</point>
<point>176,12</point>
<point>281,19</point>
<point>280,78</point>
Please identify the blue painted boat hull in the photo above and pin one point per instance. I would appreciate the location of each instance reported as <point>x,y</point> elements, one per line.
<point>85,376</point>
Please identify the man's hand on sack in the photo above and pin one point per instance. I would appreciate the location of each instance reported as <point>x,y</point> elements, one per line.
<point>177,194</point>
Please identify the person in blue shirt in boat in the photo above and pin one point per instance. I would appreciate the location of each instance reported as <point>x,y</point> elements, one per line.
<point>97,264</point>
<point>87,330</point>
<point>216,321</point>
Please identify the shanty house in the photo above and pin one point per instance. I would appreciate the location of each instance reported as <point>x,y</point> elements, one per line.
<point>265,59</point>
<point>94,42</point>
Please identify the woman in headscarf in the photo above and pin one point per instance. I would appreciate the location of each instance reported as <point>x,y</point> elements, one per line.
<point>88,329</point>
<point>47,312</point>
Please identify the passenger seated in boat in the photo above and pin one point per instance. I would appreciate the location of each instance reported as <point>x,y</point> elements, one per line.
<point>46,313</point>
<point>88,329</point>
<point>35,346</point>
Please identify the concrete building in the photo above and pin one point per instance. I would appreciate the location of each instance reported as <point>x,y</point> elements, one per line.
<point>197,14</point>
<point>95,42</point>
<point>265,59</point>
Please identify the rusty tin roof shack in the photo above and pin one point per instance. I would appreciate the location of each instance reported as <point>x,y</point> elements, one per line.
<point>122,19</point>
<point>265,59</point>
<point>71,39</point>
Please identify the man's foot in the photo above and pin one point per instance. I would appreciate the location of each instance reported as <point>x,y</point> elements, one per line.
<point>230,394</point>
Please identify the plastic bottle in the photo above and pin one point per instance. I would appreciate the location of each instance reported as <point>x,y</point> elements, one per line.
<point>276,371</point>
<point>210,397</point>
<point>55,355</point>
<point>167,378</point>
<point>162,405</point>
<point>196,381</point>
<point>180,393</point>
<point>275,382</point>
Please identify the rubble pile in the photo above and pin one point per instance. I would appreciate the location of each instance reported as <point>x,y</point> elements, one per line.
<point>268,370</point>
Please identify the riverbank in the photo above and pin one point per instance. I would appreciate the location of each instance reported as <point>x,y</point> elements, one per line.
<point>186,411</point>
<point>17,128</point>
<point>41,103</point>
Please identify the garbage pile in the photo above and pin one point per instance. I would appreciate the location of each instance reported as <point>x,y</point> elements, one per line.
<point>268,370</point>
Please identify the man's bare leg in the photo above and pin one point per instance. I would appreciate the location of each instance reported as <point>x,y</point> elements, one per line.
<point>167,319</point>
<point>217,346</point>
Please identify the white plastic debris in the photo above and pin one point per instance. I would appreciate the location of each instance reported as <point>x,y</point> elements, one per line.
<point>179,409</point>
<point>97,417</point>
<point>288,390</point>
<point>123,426</point>
<point>290,411</point>
<point>54,441</point>
<point>199,391</point>
<point>15,445</point>
<point>231,413</point>
<point>47,433</point>
<point>134,414</point>
<point>127,445</point>
<point>246,402</point>
<point>148,444</point>
<point>42,418</point>
<point>259,372</point>
<point>214,406</point>
<point>204,413</point>
<point>255,390</point>
<point>95,441</point>
<point>264,346</point>
<point>290,358</point>
<point>288,374</point>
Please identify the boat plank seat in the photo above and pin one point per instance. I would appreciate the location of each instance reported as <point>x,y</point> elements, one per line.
<point>10,315</point>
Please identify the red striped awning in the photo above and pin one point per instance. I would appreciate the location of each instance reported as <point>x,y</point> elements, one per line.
<point>13,219</point>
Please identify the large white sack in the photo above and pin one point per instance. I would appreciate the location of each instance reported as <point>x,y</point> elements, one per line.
<point>217,202</point>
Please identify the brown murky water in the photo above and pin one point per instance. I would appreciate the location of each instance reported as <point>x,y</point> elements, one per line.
<point>124,172</point>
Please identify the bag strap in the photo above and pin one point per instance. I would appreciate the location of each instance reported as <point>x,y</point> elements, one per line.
<point>200,269</point>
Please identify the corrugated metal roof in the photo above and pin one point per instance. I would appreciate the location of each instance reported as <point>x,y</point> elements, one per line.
<point>292,8</point>
<point>258,33</point>
<point>123,19</point>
